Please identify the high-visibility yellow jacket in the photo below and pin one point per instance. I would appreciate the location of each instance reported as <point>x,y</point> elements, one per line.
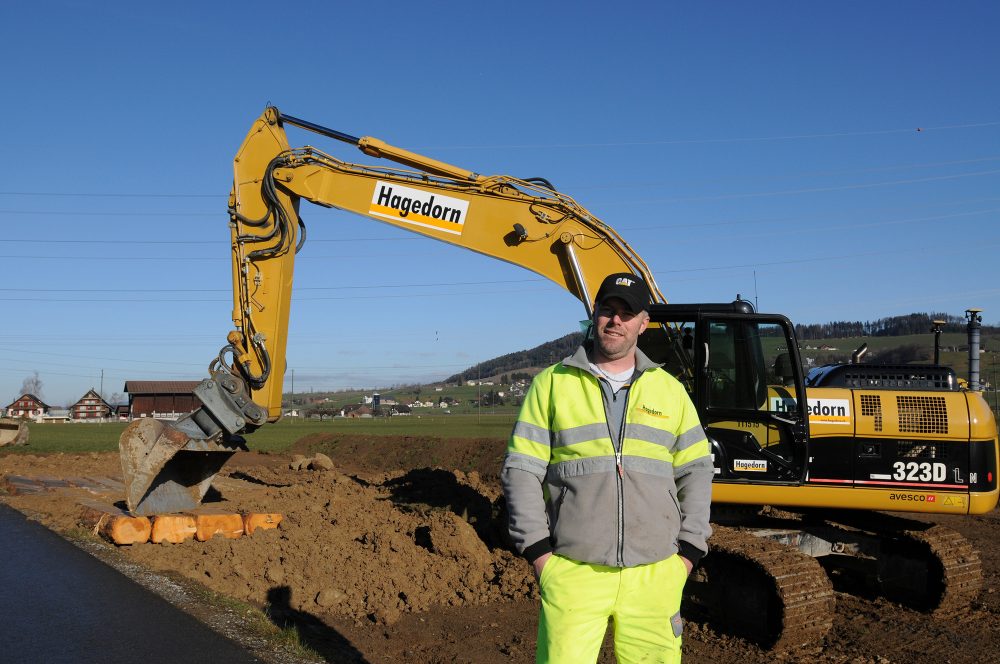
<point>573,489</point>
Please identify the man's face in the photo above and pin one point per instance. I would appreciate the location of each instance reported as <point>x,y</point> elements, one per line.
<point>617,329</point>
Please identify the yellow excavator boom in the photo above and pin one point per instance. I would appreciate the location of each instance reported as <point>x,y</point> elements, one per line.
<point>169,466</point>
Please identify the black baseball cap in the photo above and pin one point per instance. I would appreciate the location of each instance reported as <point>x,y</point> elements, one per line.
<point>626,286</point>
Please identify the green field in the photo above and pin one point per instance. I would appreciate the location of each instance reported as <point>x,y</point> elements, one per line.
<point>48,438</point>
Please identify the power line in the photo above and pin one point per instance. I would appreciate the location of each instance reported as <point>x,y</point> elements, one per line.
<point>297,288</point>
<point>797,175</point>
<point>82,194</point>
<point>417,238</point>
<point>205,242</point>
<point>80,213</point>
<point>696,141</point>
<point>816,190</point>
<point>630,184</point>
<point>309,257</point>
<point>809,259</point>
<point>91,303</point>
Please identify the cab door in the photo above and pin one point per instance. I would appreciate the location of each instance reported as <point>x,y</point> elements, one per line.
<point>744,376</point>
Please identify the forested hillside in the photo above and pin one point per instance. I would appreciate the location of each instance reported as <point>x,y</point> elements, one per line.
<point>539,356</point>
<point>524,363</point>
<point>895,326</point>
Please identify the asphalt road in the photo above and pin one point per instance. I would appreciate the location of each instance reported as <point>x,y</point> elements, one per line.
<point>61,604</point>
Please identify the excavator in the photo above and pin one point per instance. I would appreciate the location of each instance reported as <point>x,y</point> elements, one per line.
<point>805,469</point>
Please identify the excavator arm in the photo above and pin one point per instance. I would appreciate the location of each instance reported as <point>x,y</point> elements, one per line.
<point>168,466</point>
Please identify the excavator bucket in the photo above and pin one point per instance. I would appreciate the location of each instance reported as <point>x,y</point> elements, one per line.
<point>13,432</point>
<point>169,466</point>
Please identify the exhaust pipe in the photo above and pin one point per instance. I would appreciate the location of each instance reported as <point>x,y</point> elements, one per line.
<point>973,328</point>
<point>859,353</point>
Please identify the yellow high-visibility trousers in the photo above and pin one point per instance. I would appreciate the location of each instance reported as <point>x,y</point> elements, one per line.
<point>578,598</point>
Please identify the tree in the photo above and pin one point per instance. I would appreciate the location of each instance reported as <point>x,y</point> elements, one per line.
<point>903,355</point>
<point>32,385</point>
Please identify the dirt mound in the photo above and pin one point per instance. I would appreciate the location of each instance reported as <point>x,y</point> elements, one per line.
<point>413,541</point>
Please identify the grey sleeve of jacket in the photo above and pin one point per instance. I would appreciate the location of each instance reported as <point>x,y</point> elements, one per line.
<point>694,493</point>
<point>528,521</point>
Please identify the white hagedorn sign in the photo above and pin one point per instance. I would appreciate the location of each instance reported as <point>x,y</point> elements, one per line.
<point>829,411</point>
<point>418,207</point>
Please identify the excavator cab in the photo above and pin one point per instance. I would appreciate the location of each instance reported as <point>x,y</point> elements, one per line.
<point>743,372</point>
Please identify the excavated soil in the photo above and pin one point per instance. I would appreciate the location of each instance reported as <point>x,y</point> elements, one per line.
<point>399,554</point>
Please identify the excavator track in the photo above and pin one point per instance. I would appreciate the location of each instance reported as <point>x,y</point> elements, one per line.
<point>924,566</point>
<point>762,591</point>
<point>953,570</point>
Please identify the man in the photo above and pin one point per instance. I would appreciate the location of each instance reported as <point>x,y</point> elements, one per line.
<point>608,484</point>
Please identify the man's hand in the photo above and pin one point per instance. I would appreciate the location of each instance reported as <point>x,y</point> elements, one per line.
<point>687,564</point>
<point>539,563</point>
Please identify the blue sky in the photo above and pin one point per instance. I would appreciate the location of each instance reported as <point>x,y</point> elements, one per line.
<point>830,161</point>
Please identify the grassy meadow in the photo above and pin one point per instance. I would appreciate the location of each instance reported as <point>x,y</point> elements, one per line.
<point>279,437</point>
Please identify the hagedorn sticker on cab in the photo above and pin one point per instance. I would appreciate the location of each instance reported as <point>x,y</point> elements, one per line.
<point>750,465</point>
<point>418,207</point>
<point>829,411</point>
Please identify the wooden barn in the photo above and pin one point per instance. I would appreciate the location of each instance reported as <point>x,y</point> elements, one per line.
<point>164,399</point>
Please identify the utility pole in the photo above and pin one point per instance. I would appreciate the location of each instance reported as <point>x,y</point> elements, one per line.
<point>102,393</point>
<point>756,304</point>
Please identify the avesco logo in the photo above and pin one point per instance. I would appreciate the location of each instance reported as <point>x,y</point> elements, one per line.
<point>913,497</point>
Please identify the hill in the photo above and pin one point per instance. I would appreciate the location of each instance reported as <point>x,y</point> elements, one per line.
<point>895,340</point>
<point>892,340</point>
<point>527,362</point>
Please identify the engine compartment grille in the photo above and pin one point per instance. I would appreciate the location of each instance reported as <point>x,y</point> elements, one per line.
<point>922,414</point>
<point>871,406</point>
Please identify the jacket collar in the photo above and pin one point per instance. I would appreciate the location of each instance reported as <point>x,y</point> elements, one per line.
<point>581,360</point>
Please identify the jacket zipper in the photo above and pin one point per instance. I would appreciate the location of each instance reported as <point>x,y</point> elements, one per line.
<point>616,446</point>
<point>621,482</point>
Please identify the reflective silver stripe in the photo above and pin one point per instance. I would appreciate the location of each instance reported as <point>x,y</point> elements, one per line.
<point>532,432</point>
<point>684,469</point>
<point>606,464</point>
<point>648,466</point>
<point>581,434</point>
<point>587,466</point>
<point>692,436</point>
<point>650,435</point>
<point>525,462</point>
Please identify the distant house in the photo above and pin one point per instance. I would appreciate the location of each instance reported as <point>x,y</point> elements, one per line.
<point>27,406</point>
<point>90,407</point>
<point>164,399</point>
<point>356,410</point>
